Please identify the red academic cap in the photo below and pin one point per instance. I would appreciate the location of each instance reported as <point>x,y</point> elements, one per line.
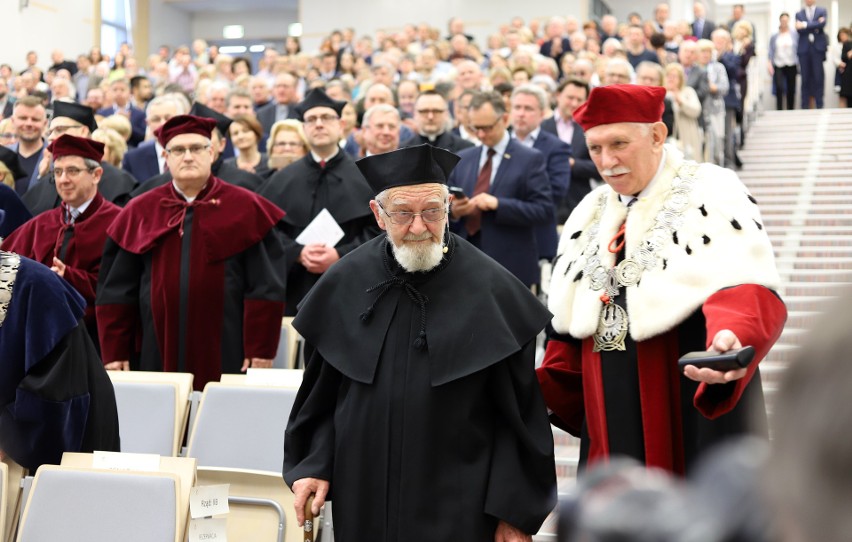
<point>621,103</point>
<point>68,145</point>
<point>184,124</point>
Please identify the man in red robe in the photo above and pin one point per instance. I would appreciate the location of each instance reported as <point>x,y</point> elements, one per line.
<point>670,256</point>
<point>70,238</point>
<point>193,272</point>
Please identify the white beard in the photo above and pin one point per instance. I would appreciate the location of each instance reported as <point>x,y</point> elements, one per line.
<point>419,256</point>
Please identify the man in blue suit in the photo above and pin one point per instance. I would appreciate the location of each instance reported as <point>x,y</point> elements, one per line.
<point>813,43</point>
<point>528,104</point>
<point>148,159</point>
<point>120,90</point>
<point>508,191</point>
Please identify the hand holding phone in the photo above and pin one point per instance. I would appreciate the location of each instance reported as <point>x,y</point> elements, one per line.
<point>718,361</point>
<point>457,192</point>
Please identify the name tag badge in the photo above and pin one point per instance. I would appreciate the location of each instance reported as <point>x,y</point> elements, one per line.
<point>205,530</point>
<point>208,501</point>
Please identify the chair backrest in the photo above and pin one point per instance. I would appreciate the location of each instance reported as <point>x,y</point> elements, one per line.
<point>241,427</point>
<point>147,417</point>
<point>153,409</point>
<point>86,505</point>
<point>182,467</point>
<point>10,497</point>
<point>279,378</point>
<point>285,357</point>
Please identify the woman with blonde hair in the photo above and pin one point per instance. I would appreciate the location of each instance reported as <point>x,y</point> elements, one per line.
<point>687,110</point>
<point>286,144</point>
<point>7,133</point>
<point>119,123</point>
<point>115,147</point>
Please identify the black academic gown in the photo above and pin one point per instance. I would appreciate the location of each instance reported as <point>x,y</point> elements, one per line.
<point>220,168</point>
<point>115,186</point>
<point>13,212</point>
<point>422,444</point>
<point>302,190</point>
<point>55,395</point>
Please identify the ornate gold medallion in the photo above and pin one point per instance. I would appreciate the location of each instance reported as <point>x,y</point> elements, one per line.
<point>612,329</point>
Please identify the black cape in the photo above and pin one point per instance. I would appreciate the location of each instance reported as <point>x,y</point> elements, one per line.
<point>437,443</point>
<point>115,186</point>
<point>13,212</point>
<point>55,395</point>
<point>302,190</point>
<point>220,168</point>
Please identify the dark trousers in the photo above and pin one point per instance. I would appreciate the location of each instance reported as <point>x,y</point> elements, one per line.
<point>813,78</point>
<point>784,80</point>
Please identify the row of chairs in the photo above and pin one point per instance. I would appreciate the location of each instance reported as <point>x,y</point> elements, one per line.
<point>236,436</point>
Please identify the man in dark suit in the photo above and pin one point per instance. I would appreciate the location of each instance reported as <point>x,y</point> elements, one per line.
<point>148,159</point>
<point>571,93</point>
<point>507,188</point>
<point>120,90</point>
<point>282,105</point>
<point>6,104</point>
<point>813,43</point>
<point>557,43</point>
<point>528,106</point>
<point>431,115</point>
<point>701,27</point>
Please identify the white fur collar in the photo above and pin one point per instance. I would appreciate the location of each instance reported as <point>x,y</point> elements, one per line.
<point>720,244</point>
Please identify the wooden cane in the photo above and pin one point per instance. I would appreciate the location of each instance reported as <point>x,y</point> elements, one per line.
<point>309,520</point>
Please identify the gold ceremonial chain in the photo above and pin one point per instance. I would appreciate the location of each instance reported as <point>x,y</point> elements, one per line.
<point>9,264</point>
<point>613,323</point>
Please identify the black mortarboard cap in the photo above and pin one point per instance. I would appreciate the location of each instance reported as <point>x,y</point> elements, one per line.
<point>318,98</point>
<point>10,158</point>
<point>222,122</point>
<point>83,114</point>
<point>408,166</point>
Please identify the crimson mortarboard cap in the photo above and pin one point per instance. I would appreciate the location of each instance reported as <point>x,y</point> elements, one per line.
<point>184,124</point>
<point>10,159</point>
<point>222,122</point>
<point>318,98</point>
<point>621,103</point>
<point>83,114</point>
<point>404,167</point>
<point>68,145</point>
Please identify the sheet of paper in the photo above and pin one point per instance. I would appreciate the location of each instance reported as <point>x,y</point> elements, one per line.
<point>205,530</point>
<point>285,378</point>
<point>126,461</point>
<point>322,230</point>
<point>208,501</point>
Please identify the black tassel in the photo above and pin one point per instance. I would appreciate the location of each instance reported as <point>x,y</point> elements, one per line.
<point>751,199</point>
<point>674,237</point>
<point>420,341</point>
<point>579,276</point>
<point>703,210</point>
<point>759,225</point>
<point>736,224</point>
<point>706,239</point>
<point>367,314</point>
<point>576,234</point>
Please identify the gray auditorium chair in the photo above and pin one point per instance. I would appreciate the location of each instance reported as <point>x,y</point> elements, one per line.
<point>87,505</point>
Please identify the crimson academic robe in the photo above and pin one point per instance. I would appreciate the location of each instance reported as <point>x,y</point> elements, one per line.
<point>303,189</point>
<point>80,245</point>
<point>706,265</point>
<point>192,287</point>
<point>419,403</point>
<point>55,396</point>
<point>115,186</point>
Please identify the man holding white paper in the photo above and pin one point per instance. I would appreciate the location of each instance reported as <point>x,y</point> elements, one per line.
<point>324,196</point>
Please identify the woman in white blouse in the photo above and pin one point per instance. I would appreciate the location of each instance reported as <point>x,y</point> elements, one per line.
<point>782,62</point>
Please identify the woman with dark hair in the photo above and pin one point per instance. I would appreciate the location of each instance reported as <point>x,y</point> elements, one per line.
<point>241,66</point>
<point>246,132</point>
<point>292,46</point>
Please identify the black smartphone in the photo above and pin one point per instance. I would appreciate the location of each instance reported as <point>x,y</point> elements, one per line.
<point>725,361</point>
<point>457,192</point>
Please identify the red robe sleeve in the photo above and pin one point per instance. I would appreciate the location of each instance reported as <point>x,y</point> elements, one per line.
<point>561,379</point>
<point>756,316</point>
